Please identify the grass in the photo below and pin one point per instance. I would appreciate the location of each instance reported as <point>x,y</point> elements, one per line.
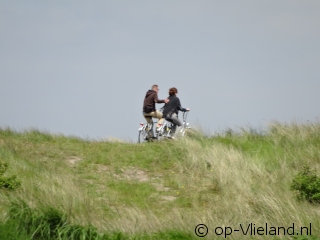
<point>73,188</point>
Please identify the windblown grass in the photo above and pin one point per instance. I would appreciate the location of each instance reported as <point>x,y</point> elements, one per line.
<point>159,190</point>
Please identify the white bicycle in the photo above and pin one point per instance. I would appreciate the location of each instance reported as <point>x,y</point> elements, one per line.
<point>146,132</point>
<point>165,130</point>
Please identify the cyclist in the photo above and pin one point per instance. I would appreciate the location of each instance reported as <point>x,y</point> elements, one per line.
<point>171,110</point>
<point>149,106</point>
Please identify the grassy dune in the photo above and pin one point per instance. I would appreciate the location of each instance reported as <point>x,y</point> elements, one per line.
<point>77,189</point>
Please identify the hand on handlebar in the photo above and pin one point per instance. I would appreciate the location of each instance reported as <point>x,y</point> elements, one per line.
<point>188,109</point>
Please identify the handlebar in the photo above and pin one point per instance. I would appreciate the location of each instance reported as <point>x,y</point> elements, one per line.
<point>185,114</point>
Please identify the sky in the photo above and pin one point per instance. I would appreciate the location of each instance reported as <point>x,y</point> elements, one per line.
<point>82,68</point>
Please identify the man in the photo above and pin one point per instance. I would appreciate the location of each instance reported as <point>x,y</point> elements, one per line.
<point>149,106</point>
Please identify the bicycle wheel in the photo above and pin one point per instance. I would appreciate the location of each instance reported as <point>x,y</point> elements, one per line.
<point>160,133</point>
<point>142,136</point>
<point>183,131</point>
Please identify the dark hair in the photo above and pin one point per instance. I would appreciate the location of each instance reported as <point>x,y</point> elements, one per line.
<point>172,91</point>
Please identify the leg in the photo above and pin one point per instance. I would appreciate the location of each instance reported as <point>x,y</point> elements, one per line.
<point>156,114</point>
<point>176,123</point>
<point>148,117</point>
<point>174,119</point>
<point>160,122</point>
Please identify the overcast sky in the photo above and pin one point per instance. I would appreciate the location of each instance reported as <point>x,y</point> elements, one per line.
<point>82,67</point>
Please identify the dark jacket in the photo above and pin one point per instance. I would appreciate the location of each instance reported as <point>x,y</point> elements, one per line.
<point>150,100</point>
<point>173,106</point>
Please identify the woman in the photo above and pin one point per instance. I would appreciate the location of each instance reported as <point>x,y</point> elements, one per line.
<point>171,109</point>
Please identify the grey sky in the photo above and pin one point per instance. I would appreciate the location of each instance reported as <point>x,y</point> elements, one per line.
<point>82,67</point>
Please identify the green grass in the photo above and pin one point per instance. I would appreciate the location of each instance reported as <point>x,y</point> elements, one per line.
<point>73,188</point>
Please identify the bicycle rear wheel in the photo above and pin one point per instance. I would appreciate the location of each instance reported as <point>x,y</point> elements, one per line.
<point>143,134</point>
<point>160,134</point>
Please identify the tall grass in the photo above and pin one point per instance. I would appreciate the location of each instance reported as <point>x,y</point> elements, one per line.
<point>78,189</point>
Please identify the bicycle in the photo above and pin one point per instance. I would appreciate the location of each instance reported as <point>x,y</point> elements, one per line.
<point>145,132</point>
<point>164,131</point>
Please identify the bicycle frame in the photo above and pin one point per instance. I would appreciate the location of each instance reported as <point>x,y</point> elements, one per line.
<point>165,130</point>
<point>143,126</point>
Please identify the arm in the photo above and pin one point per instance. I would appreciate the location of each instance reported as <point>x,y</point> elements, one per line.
<point>181,108</point>
<point>156,100</point>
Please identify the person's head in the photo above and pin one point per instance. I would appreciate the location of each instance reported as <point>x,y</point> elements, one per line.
<point>155,88</point>
<point>173,91</point>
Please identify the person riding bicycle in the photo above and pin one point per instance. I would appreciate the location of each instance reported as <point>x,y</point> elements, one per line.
<point>171,110</point>
<point>149,106</point>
